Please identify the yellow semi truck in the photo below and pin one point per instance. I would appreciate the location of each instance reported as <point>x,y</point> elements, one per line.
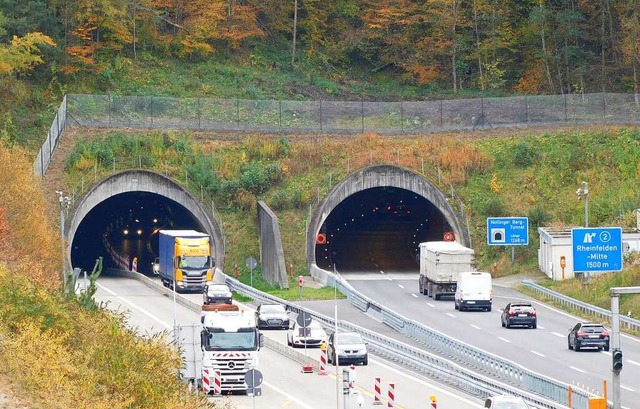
<point>185,260</point>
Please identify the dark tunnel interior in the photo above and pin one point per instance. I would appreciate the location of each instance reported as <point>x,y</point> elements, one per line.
<point>128,223</point>
<point>378,229</point>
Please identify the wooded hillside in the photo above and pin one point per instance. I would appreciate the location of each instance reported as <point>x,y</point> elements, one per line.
<point>533,46</point>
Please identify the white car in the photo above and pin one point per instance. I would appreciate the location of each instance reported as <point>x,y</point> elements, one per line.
<point>311,336</point>
<point>505,402</point>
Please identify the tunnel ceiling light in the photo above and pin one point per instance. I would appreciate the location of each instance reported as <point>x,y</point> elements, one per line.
<point>139,232</point>
<point>137,221</point>
<point>155,220</point>
<point>125,231</point>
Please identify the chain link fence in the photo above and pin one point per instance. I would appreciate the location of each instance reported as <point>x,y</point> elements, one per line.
<point>341,117</point>
<point>349,116</point>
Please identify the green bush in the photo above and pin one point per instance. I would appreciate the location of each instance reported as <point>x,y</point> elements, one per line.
<point>254,178</point>
<point>524,155</point>
<point>537,217</point>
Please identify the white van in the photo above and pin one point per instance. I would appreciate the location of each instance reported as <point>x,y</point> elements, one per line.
<point>473,290</point>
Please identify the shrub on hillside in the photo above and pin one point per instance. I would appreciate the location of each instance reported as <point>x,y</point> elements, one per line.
<point>65,356</point>
<point>28,227</point>
<point>524,155</point>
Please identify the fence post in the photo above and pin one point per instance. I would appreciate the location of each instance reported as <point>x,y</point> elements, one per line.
<point>604,108</point>
<point>151,111</point>
<point>280,115</point>
<point>199,113</point>
<point>109,109</point>
<point>566,118</point>
<point>362,111</point>
<point>526,108</point>
<point>441,123</point>
<point>237,115</point>
<point>402,116</point>
<point>321,116</point>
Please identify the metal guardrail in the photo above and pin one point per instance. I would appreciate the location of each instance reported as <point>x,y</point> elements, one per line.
<point>603,314</point>
<point>490,374</point>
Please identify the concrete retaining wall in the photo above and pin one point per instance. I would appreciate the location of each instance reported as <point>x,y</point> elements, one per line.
<point>274,269</point>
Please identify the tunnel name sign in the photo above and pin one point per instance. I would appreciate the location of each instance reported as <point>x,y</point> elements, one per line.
<point>597,249</point>
<point>507,231</point>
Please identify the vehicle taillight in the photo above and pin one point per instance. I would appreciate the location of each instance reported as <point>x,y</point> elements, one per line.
<point>604,334</point>
<point>512,313</point>
<point>533,313</point>
<point>580,334</point>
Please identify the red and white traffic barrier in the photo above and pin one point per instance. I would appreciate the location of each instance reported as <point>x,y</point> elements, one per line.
<point>211,383</point>
<point>434,402</point>
<point>352,378</point>
<point>377,394</point>
<point>206,381</point>
<point>392,395</point>
<point>323,361</point>
<point>217,383</point>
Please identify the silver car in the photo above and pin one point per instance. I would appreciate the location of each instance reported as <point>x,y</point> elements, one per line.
<point>216,294</point>
<point>347,348</point>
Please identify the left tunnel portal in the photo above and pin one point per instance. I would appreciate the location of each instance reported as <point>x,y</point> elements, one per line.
<point>120,218</point>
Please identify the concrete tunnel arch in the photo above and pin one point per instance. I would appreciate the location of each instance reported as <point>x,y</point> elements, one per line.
<point>148,182</point>
<point>383,176</point>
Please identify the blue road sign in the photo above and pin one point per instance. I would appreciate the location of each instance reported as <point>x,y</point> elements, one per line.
<point>507,231</point>
<point>597,249</point>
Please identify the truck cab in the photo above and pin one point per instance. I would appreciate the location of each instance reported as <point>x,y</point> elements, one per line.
<point>230,343</point>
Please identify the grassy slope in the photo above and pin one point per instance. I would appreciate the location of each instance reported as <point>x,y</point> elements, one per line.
<point>503,173</point>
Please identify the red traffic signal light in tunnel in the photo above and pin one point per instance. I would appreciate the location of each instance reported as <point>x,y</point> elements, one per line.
<point>617,360</point>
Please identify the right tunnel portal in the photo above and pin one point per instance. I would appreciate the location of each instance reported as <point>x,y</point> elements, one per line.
<point>376,219</point>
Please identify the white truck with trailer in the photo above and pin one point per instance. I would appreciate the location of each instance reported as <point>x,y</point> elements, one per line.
<point>229,343</point>
<point>440,263</point>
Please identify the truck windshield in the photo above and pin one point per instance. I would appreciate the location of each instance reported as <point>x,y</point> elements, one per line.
<point>193,262</point>
<point>243,340</point>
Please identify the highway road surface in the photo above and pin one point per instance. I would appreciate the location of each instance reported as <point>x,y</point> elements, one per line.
<point>285,386</point>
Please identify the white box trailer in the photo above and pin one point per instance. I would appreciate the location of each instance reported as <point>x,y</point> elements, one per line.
<point>440,263</point>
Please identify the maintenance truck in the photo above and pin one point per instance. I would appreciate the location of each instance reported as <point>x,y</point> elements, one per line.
<point>440,263</point>
<point>185,260</point>
<point>230,343</point>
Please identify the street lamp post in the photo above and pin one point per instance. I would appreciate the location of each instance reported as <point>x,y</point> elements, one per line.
<point>584,192</point>
<point>65,203</point>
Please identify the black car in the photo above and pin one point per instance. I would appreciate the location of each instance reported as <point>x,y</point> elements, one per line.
<point>519,313</point>
<point>272,316</point>
<point>588,335</point>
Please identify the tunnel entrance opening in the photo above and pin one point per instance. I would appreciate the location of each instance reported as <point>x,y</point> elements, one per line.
<point>377,229</point>
<point>125,226</point>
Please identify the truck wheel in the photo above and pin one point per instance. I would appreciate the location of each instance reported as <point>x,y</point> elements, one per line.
<point>436,297</point>
<point>420,288</point>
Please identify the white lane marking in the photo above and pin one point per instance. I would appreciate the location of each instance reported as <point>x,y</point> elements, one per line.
<point>451,315</point>
<point>558,335</point>
<point>401,286</point>
<point>538,353</point>
<point>540,327</point>
<point>288,396</point>
<point>577,369</point>
<point>142,310</point>
<point>606,353</point>
<point>389,278</point>
<point>504,339</point>
<point>633,362</point>
<point>431,305</point>
<point>431,386</point>
<point>627,388</point>
<point>475,326</point>
<point>381,272</point>
<point>414,295</point>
